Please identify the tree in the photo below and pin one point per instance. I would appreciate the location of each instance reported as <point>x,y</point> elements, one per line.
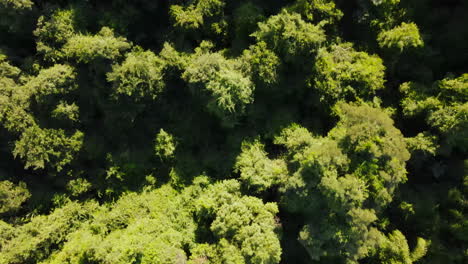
<point>443,105</point>
<point>67,112</point>
<point>256,169</point>
<point>340,183</point>
<point>289,36</point>
<point>12,196</point>
<point>195,12</point>
<point>376,148</point>
<point>35,240</point>
<point>229,90</point>
<point>244,227</point>
<point>165,145</point>
<point>345,74</point>
<point>41,147</point>
<point>402,37</point>
<point>103,45</point>
<point>54,31</point>
<point>17,4</point>
<point>394,249</point>
<point>262,63</point>
<point>59,79</point>
<point>140,76</point>
<point>324,12</point>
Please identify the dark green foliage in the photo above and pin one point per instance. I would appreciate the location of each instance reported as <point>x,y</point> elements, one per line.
<point>325,131</point>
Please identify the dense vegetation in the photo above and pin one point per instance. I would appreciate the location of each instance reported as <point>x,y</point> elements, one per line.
<point>215,131</point>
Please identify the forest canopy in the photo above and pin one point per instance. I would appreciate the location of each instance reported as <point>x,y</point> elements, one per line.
<point>234,132</point>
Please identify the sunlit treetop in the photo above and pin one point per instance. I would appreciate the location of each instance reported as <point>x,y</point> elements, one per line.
<point>47,147</point>
<point>86,48</point>
<point>17,4</point>
<point>402,37</point>
<point>229,89</point>
<point>139,76</point>
<point>53,32</point>
<point>193,14</point>
<point>342,73</point>
<point>318,11</point>
<point>289,35</point>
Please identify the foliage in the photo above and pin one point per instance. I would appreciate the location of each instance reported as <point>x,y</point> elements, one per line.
<point>65,111</point>
<point>86,48</point>
<point>289,36</point>
<point>12,196</point>
<point>345,74</point>
<point>401,37</point>
<point>443,105</point>
<point>256,169</point>
<point>53,32</point>
<point>139,76</point>
<point>195,12</point>
<point>41,147</point>
<point>262,63</point>
<point>17,4</point>
<point>212,131</point>
<point>229,90</point>
<point>165,145</point>
<point>324,11</point>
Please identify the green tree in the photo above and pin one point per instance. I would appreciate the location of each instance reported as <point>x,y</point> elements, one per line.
<point>342,73</point>
<point>53,32</point>
<point>193,14</point>
<point>12,196</point>
<point>165,145</point>
<point>289,36</point>
<point>322,11</point>
<point>57,80</point>
<point>104,45</point>
<point>256,169</point>
<point>34,241</point>
<point>17,4</point>
<point>443,105</point>
<point>376,148</point>
<point>340,183</point>
<point>402,37</point>
<point>229,90</point>
<point>244,227</point>
<point>394,249</point>
<point>261,63</point>
<point>41,147</point>
<point>139,76</point>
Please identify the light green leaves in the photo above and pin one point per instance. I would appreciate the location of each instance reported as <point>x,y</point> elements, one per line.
<point>194,14</point>
<point>54,31</point>
<point>256,169</point>
<point>165,145</point>
<point>394,249</point>
<point>289,36</point>
<point>39,147</point>
<point>443,105</point>
<point>86,48</point>
<point>139,76</point>
<point>343,73</point>
<point>229,90</point>
<point>12,196</point>
<point>402,37</point>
